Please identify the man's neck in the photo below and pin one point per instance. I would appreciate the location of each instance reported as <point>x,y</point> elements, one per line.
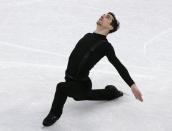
<point>102,32</point>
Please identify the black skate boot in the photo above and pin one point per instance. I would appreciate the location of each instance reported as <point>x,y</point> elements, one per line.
<point>51,118</point>
<point>113,92</point>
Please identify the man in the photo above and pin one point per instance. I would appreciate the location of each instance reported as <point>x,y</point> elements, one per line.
<point>87,52</point>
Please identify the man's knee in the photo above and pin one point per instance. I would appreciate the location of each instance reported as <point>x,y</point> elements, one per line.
<point>79,98</point>
<point>60,86</point>
<point>76,98</point>
<point>64,88</point>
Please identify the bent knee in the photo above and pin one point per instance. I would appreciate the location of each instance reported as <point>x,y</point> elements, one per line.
<point>60,86</point>
<point>78,98</point>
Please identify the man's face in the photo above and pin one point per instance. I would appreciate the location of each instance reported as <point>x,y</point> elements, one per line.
<point>105,21</point>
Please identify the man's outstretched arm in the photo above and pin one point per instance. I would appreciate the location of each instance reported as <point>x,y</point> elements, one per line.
<point>123,72</point>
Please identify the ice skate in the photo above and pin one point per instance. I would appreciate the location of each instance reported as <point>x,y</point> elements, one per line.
<point>113,92</point>
<point>51,119</point>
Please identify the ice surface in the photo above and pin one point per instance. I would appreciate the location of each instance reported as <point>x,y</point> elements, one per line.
<point>36,38</point>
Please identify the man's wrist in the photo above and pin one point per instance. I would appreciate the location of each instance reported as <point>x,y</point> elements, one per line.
<point>133,85</point>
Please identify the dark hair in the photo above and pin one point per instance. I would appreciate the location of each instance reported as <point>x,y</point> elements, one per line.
<point>115,23</point>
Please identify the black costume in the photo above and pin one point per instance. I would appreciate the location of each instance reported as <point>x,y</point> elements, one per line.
<point>87,52</point>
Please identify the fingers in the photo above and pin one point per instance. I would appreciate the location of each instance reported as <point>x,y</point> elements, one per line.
<point>137,93</point>
<point>139,97</point>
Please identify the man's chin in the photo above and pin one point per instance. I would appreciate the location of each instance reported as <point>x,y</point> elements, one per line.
<point>98,23</point>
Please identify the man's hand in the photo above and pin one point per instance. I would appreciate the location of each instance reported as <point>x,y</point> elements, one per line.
<point>136,92</point>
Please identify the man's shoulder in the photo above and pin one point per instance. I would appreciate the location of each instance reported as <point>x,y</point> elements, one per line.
<point>88,34</point>
<point>109,46</point>
<point>106,42</point>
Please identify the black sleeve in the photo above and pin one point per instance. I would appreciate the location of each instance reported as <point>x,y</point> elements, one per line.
<point>110,53</point>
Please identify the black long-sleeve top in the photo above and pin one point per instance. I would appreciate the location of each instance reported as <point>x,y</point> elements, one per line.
<point>88,51</point>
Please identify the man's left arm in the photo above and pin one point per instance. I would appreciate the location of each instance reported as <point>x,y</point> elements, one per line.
<point>123,72</point>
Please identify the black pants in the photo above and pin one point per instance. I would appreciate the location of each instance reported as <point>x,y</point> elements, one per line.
<point>78,90</point>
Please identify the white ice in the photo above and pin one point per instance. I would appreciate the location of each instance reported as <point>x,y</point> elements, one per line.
<point>36,38</point>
